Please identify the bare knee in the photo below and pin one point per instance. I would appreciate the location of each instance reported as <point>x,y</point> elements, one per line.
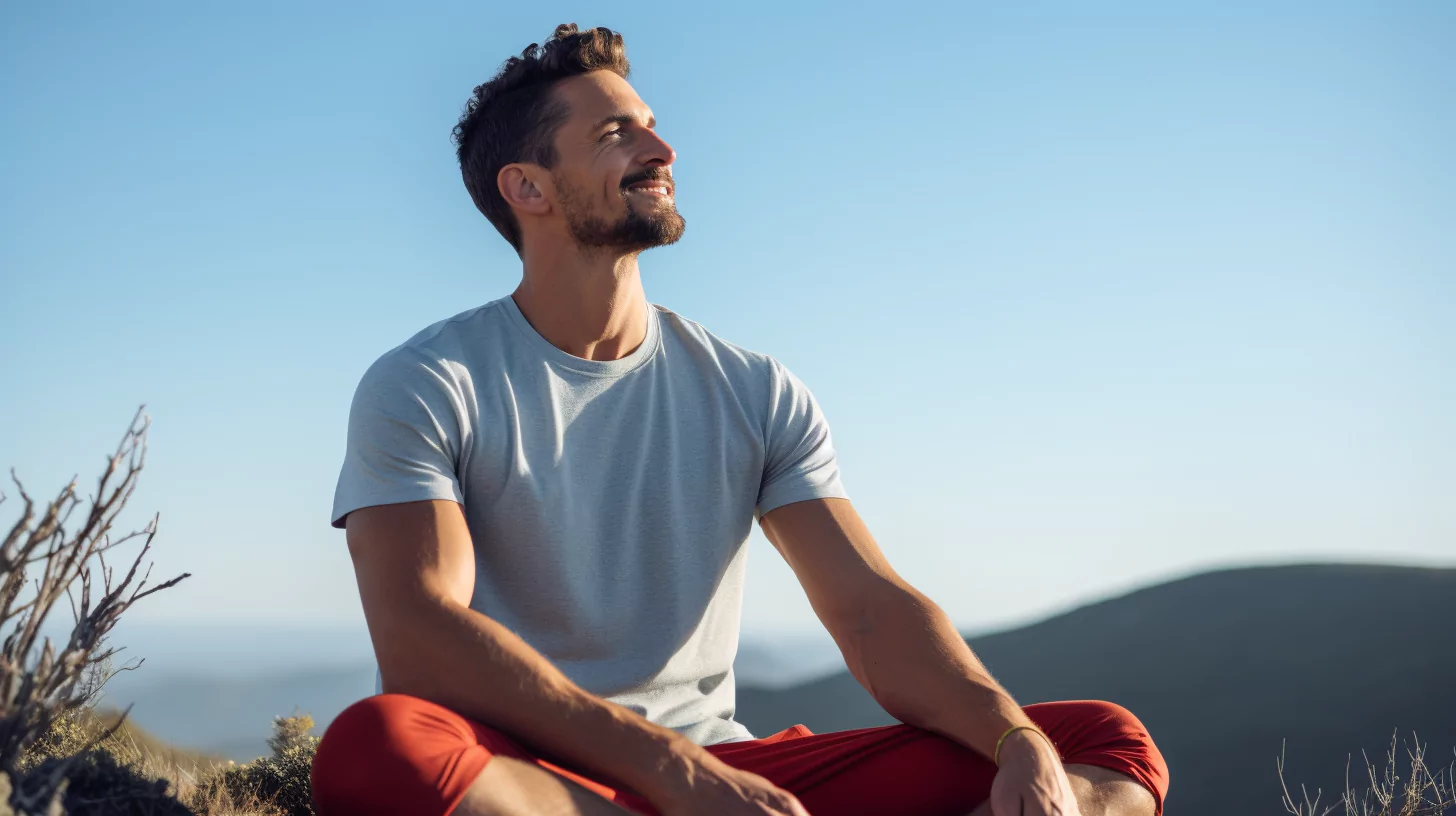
<point>512,787</point>
<point>1104,792</point>
<point>1101,792</point>
<point>1110,734</point>
<point>497,791</point>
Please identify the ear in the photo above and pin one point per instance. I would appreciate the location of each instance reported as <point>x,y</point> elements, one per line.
<point>523,187</point>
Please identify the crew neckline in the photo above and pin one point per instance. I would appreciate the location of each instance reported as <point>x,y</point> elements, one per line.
<point>593,368</point>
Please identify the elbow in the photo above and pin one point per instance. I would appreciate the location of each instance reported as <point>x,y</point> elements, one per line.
<point>886,601</point>
<point>400,668</point>
<point>881,638</point>
<point>406,645</point>
<point>860,621</point>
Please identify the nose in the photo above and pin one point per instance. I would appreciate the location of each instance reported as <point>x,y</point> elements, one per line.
<point>657,152</point>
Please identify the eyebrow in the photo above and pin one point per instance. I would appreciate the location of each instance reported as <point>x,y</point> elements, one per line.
<point>623,119</point>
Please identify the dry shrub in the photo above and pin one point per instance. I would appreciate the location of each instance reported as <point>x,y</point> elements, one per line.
<point>120,774</point>
<point>1425,790</point>
<point>49,553</point>
<point>98,784</point>
<point>278,783</point>
<point>57,755</point>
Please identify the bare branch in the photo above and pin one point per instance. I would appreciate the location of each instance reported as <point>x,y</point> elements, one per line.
<point>39,679</point>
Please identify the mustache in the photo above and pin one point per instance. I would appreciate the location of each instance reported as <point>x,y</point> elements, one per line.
<point>649,174</point>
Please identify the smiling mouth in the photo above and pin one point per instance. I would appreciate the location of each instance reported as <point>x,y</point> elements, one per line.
<point>656,189</point>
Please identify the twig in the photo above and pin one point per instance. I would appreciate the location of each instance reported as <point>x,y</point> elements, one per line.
<point>39,682</point>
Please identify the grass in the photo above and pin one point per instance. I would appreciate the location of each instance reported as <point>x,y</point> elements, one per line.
<point>130,771</point>
<point>1408,785</point>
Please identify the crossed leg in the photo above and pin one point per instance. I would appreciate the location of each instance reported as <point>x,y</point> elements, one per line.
<point>1101,792</point>
<point>403,756</point>
<point>511,787</point>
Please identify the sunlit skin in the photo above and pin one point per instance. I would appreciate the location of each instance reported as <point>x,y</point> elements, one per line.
<point>588,300</point>
<point>583,222</point>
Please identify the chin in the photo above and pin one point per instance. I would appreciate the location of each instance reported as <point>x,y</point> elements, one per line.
<point>655,207</point>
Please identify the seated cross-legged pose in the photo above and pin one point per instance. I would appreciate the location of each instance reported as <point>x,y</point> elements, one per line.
<point>547,499</point>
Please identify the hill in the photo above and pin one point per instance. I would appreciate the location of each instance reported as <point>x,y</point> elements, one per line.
<point>218,690</point>
<point>1222,667</point>
<point>125,740</point>
<point>231,715</point>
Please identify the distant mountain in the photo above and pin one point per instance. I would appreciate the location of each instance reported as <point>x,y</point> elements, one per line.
<point>232,715</point>
<point>785,662</point>
<point>1221,668</point>
<point>217,689</point>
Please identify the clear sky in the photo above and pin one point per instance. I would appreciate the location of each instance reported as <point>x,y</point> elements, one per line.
<point>1091,297</point>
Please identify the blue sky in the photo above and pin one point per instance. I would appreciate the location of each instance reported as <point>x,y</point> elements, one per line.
<point>1091,297</point>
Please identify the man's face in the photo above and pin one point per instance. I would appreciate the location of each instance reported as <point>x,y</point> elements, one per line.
<point>613,175</point>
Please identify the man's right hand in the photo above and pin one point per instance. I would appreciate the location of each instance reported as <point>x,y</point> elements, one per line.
<point>714,787</point>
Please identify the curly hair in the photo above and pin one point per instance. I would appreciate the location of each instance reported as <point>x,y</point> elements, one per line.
<point>514,116</point>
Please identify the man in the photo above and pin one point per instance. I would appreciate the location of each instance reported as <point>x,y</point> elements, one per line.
<point>546,500</point>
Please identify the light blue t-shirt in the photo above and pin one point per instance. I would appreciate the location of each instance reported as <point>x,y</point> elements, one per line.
<point>609,501</point>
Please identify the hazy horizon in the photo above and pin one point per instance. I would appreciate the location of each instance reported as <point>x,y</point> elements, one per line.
<point>215,688</point>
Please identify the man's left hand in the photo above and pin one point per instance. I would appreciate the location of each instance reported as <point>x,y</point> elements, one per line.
<point>1031,780</point>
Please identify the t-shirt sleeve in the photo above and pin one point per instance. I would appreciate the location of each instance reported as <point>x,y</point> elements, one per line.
<point>799,463</point>
<point>404,436</point>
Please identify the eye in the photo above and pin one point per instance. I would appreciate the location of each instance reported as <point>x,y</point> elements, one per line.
<point>610,133</point>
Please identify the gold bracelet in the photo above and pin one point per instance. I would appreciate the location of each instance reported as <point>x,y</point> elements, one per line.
<point>996,758</point>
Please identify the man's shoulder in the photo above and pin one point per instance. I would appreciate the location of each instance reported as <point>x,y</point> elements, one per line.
<point>446,336</point>
<point>441,349</point>
<point>734,358</point>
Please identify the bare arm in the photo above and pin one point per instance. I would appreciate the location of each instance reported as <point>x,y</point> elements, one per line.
<point>897,643</point>
<point>415,567</point>
<point>904,650</point>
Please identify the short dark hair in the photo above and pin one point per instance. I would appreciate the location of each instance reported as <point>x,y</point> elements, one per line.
<point>514,116</point>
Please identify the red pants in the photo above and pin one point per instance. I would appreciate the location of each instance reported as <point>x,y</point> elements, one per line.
<point>400,755</point>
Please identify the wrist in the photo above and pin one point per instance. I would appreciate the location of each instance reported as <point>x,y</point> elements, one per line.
<point>631,751</point>
<point>681,767</point>
<point>1026,745</point>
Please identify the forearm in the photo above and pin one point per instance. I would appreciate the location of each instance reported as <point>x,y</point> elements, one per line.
<point>472,664</point>
<point>905,651</point>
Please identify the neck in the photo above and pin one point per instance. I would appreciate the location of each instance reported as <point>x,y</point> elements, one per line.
<point>589,305</point>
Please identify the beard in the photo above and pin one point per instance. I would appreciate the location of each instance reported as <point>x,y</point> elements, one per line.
<point>632,232</point>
